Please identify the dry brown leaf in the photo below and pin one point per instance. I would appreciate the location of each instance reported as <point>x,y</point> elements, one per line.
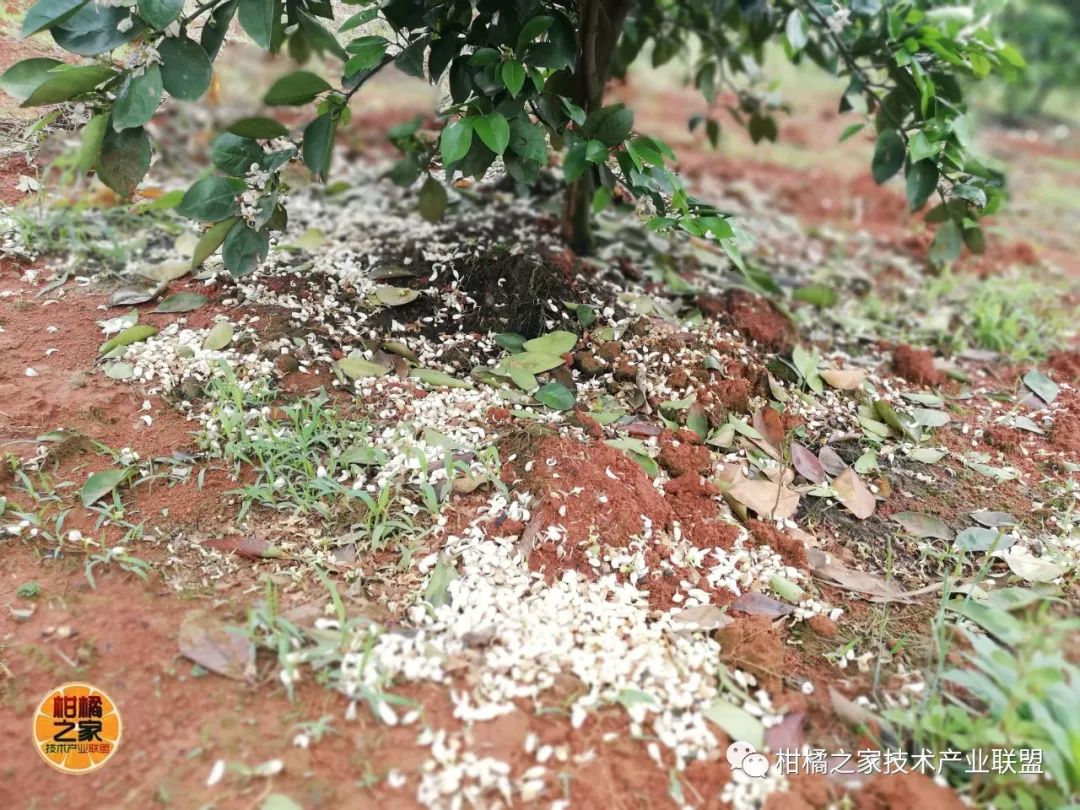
<point>824,567</point>
<point>853,494</point>
<point>765,498</point>
<point>831,460</point>
<point>807,464</point>
<point>767,422</point>
<point>843,379</point>
<point>216,647</point>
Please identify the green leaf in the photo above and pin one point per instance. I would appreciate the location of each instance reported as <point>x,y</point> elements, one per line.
<point>47,13</point>
<point>217,27</point>
<point>888,155</point>
<point>100,484</point>
<point>94,29</point>
<point>533,362</point>
<point>610,125</point>
<point>528,140</point>
<point>437,590</point>
<point>357,368</point>
<point>432,200</point>
<point>366,52</point>
<point>211,199</point>
<point>920,148</point>
<point>358,19</point>
<point>257,19</point>
<point>185,68</point>
<point>295,89</point>
<point>555,395</point>
<point>211,240</point>
<point>133,334</point>
<point>513,77</point>
<point>159,13</point>
<point>124,159</point>
<point>922,179</point>
<point>532,29</point>
<point>318,145</point>
<point>976,538</point>
<point>438,379</point>
<point>595,152</point>
<point>234,155</point>
<point>574,162</point>
<point>795,30</point>
<point>820,295</point>
<point>63,84</point>
<point>181,302</point>
<point>555,343</point>
<point>244,249</point>
<point>258,127</point>
<point>948,241</point>
<point>851,130</point>
<point>511,341</point>
<point>92,136</point>
<point>494,130</point>
<point>21,79</point>
<point>1045,388</point>
<point>138,99</point>
<point>455,140</point>
<point>736,722</point>
<point>219,336</point>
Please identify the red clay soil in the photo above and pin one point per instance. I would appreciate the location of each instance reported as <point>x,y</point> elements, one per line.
<point>580,476</point>
<point>1065,366</point>
<point>791,549</point>
<point>693,501</point>
<point>916,365</point>
<point>754,316</point>
<point>1065,435</point>
<point>682,455</point>
<point>904,792</point>
<point>753,645</point>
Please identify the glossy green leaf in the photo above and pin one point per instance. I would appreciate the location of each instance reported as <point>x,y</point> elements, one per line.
<point>185,68</point>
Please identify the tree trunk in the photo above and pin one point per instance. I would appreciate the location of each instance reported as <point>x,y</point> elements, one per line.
<point>600,23</point>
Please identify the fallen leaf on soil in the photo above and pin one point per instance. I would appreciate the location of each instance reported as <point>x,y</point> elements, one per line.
<point>823,566</point>
<point>852,714</point>
<point>100,484</point>
<point>831,461</point>
<point>758,604</point>
<point>250,546</point>
<point>736,722</point>
<point>765,498</point>
<point>852,493</point>
<point>131,295</point>
<point>976,538</point>
<point>702,617</point>
<point>992,520</point>
<point>1045,388</point>
<point>1030,567</point>
<point>181,302</point>
<point>219,336</point>
<point>787,734</point>
<point>807,464</point>
<point>767,423</point>
<point>922,525</point>
<point>358,368</point>
<point>216,647</point>
<point>846,379</point>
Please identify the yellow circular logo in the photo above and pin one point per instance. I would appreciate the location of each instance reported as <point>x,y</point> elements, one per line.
<point>77,728</point>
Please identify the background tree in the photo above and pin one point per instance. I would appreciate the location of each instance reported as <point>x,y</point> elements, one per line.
<point>1046,32</point>
<point>526,79</point>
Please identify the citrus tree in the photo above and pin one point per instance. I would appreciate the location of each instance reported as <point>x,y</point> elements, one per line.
<point>526,81</point>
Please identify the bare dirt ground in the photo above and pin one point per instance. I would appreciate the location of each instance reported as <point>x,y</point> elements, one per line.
<point>121,630</point>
